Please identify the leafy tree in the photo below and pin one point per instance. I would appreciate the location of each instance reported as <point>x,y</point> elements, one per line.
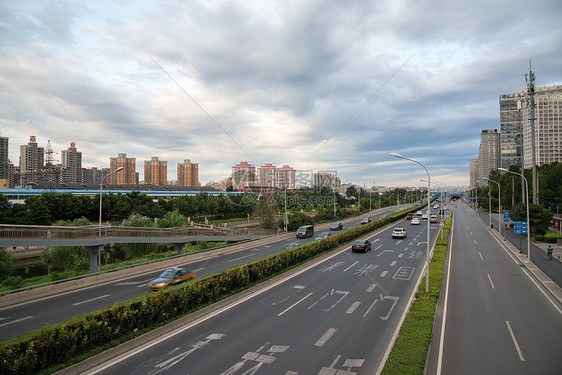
<point>351,191</point>
<point>133,250</point>
<point>65,258</point>
<point>4,207</point>
<point>266,213</point>
<point>137,220</point>
<point>6,263</point>
<point>172,219</point>
<point>37,211</point>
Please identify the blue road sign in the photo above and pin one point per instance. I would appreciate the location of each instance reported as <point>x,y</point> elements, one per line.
<point>448,195</point>
<point>461,195</point>
<point>506,216</point>
<point>421,201</point>
<point>520,227</point>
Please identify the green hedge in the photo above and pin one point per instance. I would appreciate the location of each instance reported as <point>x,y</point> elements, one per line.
<point>61,343</point>
<point>409,354</point>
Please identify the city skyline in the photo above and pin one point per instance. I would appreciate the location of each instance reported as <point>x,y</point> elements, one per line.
<point>315,85</point>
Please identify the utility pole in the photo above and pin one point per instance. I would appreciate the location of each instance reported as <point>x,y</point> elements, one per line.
<point>530,78</point>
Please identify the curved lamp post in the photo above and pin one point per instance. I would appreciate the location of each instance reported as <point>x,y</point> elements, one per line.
<point>101,189</point>
<point>428,214</point>
<point>499,203</point>
<point>527,204</point>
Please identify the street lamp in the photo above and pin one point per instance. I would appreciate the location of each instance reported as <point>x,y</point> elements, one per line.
<point>489,203</point>
<point>428,214</point>
<point>527,204</point>
<point>499,203</point>
<point>101,188</point>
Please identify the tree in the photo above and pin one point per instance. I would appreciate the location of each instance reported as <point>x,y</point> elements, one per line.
<point>351,191</point>
<point>37,211</point>
<point>6,262</point>
<point>172,219</point>
<point>4,208</point>
<point>265,212</point>
<point>65,258</point>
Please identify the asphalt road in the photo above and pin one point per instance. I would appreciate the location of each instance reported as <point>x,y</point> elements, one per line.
<point>497,318</point>
<point>24,318</point>
<point>338,316</point>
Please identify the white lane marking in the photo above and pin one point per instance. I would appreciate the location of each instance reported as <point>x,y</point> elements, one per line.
<point>393,263</point>
<point>370,308</point>
<point>378,247</point>
<point>479,253</point>
<point>245,256</point>
<point>350,266</point>
<point>400,255</point>
<point>353,307</point>
<point>198,269</point>
<point>371,288</point>
<point>15,321</point>
<point>491,282</point>
<point>294,304</point>
<point>90,300</point>
<point>383,274</point>
<point>325,337</point>
<point>395,299</point>
<point>129,283</point>
<point>514,341</point>
<point>475,242</point>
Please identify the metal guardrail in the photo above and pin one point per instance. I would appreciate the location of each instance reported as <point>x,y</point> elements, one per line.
<point>14,232</point>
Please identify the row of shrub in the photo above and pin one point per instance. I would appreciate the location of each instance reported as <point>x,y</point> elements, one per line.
<point>62,343</point>
<point>409,353</point>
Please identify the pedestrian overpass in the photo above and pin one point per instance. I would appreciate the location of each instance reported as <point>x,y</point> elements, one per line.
<point>93,237</point>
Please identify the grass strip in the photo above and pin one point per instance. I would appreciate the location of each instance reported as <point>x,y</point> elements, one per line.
<point>409,353</point>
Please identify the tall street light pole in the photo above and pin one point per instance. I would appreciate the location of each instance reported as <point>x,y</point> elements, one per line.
<point>499,203</point>
<point>527,201</point>
<point>101,194</point>
<point>428,214</point>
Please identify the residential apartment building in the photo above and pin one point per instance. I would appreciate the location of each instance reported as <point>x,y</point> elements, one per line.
<point>188,173</point>
<point>4,161</point>
<point>155,172</point>
<point>326,179</point>
<point>243,175</point>
<point>71,161</point>
<point>129,173</point>
<point>286,178</point>
<point>511,133</point>
<point>268,175</point>
<point>31,161</point>
<point>474,173</point>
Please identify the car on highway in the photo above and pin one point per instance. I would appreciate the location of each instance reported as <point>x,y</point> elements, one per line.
<point>365,220</point>
<point>435,206</point>
<point>419,213</point>
<point>399,233</point>
<point>323,235</point>
<point>305,231</point>
<point>292,245</point>
<point>361,245</point>
<point>415,221</point>
<point>424,217</point>
<point>336,226</point>
<point>172,276</point>
<point>433,219</point>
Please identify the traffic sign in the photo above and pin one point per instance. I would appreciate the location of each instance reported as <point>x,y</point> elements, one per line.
<point>520,227</point>
<point>448,195</point>
<point>447,212</point>
<point>506,216</point>
<point>421,201</point>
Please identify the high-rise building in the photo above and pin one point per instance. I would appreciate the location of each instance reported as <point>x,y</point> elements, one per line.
<point>326,179</point>
<point>188,173</point>
<point>243,175</point>
<point>489,158</point>
<point>127,176</point>
<point>474,173</point>
<point>511,133</point>
<point>155,172</point>
<point>547,125</point>
<point>31,161</point>
<point>71,161</point>
<point>268,175</point>
<point>516,125</point>
<point>4,161</point>
<point>93,176</point>
<point>287,177</point>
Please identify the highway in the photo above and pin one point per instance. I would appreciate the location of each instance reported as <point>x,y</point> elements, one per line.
<point>23,318</point>
<point>336,316</point>
<point>498,318</point>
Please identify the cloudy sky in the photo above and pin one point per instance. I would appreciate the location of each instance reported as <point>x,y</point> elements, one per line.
<point>321,85</point>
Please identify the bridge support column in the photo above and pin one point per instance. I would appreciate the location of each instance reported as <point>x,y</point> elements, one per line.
<point>94,257</point>
<point>179,247</point>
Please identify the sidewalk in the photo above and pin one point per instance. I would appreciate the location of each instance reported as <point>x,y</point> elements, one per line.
<point>556,249</point>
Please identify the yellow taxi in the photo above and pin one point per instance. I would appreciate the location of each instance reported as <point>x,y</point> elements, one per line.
<point>172,276</point>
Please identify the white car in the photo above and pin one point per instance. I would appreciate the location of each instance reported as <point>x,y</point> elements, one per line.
<point>415,221</point>
<point>424,217</point>
<point>399,233</point>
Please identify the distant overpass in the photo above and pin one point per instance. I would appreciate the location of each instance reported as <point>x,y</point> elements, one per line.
<point>94,237</point>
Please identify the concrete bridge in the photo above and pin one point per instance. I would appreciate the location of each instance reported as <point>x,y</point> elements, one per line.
<point>93,238</point>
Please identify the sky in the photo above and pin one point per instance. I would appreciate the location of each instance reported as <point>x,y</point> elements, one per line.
<point>318,85</point>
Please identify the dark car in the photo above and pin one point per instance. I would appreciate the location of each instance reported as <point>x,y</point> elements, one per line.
<point>361,245</point>
<point>171,276</point>
<point>336,226</point>
<point>365,220</point>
